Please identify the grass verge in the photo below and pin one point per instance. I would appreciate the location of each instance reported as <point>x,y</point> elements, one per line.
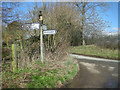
<point>47,75</point>
<point>92,50</point>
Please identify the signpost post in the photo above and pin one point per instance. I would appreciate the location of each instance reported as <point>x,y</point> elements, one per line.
<point>41,34</point>
<point>43,31</point>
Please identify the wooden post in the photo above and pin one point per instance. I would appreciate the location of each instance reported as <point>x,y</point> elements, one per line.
<point>7,42</point>
<point>41,34</point>
<point>14,62</point>
<point>41,42</point>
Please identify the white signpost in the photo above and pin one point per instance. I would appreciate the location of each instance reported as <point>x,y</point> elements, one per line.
<point>42,28</point>
<point>49,32</point>
<point>32,26</point>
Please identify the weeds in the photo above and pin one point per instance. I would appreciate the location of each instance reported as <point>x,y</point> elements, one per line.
<point>41,75</point>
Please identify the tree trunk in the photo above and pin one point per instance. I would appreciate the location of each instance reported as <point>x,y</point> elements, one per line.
<point>83,41</point>
<point>20,41</point>
<point>83,34</point>
<point>7,42</point>
<point>83,24</point>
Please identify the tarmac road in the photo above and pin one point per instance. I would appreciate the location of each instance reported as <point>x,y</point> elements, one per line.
<point>95,73</point>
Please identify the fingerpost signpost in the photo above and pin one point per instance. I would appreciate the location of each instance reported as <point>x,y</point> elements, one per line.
<point>43,31</point>
<point>41,34</point>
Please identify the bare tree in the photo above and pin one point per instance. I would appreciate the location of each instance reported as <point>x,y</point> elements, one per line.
<point>89,14</point>
<point>60,16</point>
<point>9,12</point>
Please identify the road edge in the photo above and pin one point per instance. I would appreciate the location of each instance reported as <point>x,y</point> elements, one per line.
<point>92,58</point>
<point>70,81</point>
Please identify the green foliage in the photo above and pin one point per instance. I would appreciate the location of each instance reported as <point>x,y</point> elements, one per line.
<point>39,78</point>
<point>76,38</point>
<point>42,81</point>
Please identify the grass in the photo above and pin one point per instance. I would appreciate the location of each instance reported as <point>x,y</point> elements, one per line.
<point>37,75</point>
<point>95,51</point>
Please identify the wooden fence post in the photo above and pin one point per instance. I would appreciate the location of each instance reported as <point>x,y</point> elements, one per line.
<point>14,62</point>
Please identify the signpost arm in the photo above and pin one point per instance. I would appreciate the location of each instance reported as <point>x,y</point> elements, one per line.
<point>41,35</point>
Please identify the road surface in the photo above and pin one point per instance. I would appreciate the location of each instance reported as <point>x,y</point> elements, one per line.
<point>95,73</point>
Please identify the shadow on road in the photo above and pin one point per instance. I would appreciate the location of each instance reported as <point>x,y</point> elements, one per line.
<point>95,75</point>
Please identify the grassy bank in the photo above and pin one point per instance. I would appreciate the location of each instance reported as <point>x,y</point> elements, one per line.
<point>95,51</point>
<point>47,75</point>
